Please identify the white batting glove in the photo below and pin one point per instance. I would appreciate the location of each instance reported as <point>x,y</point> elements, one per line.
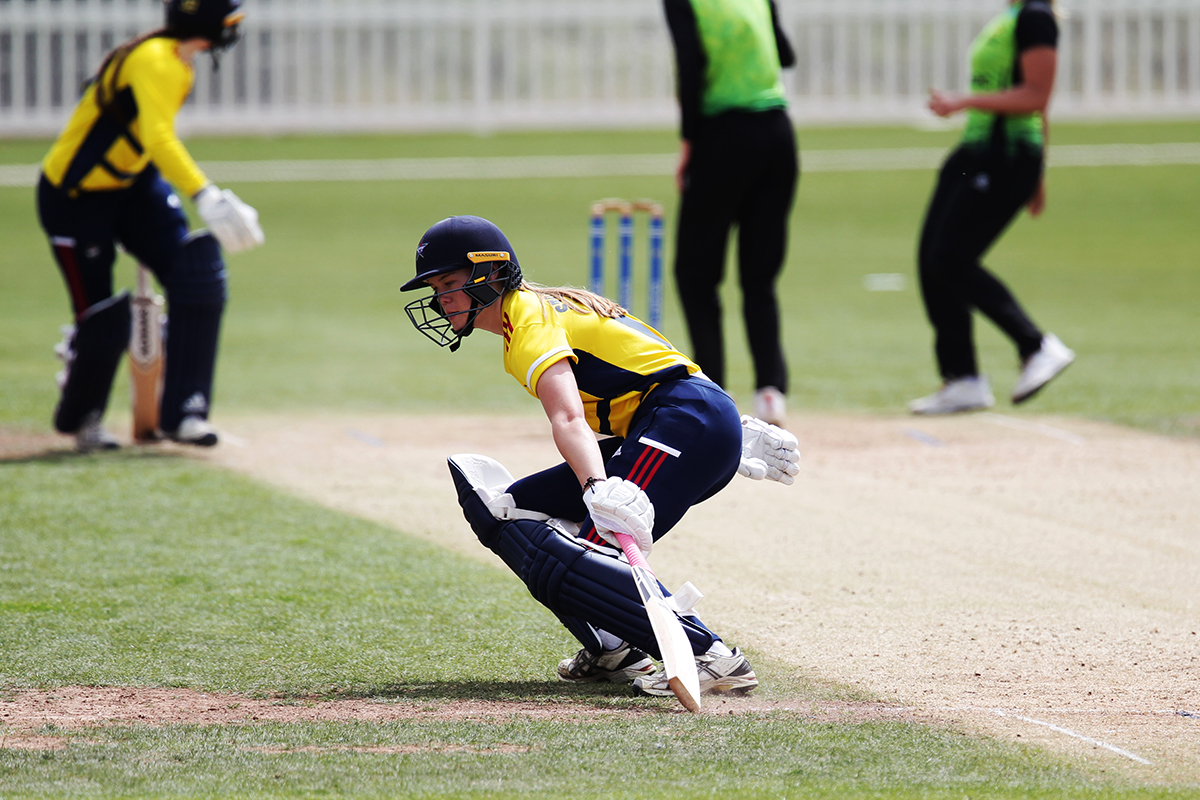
<point>621,505</point>
<point>768,452</point>
<point>234,223</point>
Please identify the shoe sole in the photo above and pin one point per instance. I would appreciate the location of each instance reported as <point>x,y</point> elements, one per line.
<point>955,410</point>
<point>730,684</point>
<point>622,676</point>
<point>1018,399</point>
<point>207,440</point>
<point>740,689</point>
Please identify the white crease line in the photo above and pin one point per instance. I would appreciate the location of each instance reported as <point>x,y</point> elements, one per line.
<point>1033,427</point>
<point>1059,729</point>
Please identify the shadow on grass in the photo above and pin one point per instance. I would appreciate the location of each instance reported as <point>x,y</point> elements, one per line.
<point>601,694</point>
<point>62,455</point>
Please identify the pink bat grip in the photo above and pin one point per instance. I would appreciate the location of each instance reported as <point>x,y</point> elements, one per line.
<point>629,545</point>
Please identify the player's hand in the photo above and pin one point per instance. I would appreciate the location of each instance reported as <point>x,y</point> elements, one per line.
<point>234,223</point>
<point>944,103</point>
<point>1037,203</point>
<point>768,452</point>
<point>621,505</point>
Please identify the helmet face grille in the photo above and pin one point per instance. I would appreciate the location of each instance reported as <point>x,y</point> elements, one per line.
<point>427,317</point>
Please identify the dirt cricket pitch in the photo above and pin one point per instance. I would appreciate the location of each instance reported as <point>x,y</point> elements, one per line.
<point>1036,579</point>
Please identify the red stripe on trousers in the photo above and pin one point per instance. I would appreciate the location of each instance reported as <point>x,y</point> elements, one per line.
<point>66,257</point>
<point>642,477</point>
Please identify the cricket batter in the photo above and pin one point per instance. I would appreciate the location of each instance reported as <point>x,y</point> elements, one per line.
<point>107,181</point>
<point>673,439</point>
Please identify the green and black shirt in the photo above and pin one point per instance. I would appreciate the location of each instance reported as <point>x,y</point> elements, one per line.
<point>728,55</point>
<point>996,65</point>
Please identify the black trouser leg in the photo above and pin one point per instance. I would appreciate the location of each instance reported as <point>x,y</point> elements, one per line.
<point>702,236</point>
<point>977,197</point>
<point>762,247</point>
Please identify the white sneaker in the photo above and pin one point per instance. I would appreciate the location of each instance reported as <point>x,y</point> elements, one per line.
<point>718,674</point>
<point>92,436</point>
<point>195,430</point>
<point>1050,359</point>
<point>962,394</point>
<point>617,666</point>
<point>770,406</point>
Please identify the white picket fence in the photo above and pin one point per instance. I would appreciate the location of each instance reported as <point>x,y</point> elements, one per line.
<point>332,65</point>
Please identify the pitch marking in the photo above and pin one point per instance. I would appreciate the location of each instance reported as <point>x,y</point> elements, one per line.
<point>1059,729</point>
<point>924,438</point>
<point>1033,427</point>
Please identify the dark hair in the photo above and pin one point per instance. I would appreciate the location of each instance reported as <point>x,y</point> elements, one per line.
<point>106,94</point>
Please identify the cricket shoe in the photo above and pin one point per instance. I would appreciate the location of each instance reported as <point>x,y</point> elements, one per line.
<point>195,430</point>
<point>770,406</point>
<point>617,666</point>
<point>93,436</point>
<point>960,394</point>
<point>718,675</point>
<point>1041,367</point>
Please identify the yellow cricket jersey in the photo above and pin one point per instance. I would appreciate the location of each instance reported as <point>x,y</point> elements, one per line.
<point>616,361</point>
<point>98,152</point>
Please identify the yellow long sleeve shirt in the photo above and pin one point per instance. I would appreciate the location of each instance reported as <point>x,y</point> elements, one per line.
<point>96,152</point>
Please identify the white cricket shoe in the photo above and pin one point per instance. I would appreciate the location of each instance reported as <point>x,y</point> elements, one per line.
<point>770,406</point>
<point>961,394</point>
<point>195,430</point>
<point>93,436</point>
<point>718,675</point>
<point>617,666</point>
<point>1041,367</point>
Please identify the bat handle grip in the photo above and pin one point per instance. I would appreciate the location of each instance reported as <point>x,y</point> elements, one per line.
<point>632,552</point>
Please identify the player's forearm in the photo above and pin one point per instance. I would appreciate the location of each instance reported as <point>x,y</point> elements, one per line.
<point>577,445</point>
<point>1018,100</point>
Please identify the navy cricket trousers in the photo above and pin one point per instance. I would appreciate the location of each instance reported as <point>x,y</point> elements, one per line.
<point>147,220</point>
<point>684,446</point>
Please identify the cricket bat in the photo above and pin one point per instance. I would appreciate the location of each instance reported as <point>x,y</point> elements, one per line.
<point>677,656</point>
<point>146,358</point>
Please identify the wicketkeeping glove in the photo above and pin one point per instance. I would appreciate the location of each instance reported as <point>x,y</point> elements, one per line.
<point>620,505</point>
<point>234,223</point>
<point>768,452</point>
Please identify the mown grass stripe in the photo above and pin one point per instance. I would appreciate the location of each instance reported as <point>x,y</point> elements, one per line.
<point>509,167</point>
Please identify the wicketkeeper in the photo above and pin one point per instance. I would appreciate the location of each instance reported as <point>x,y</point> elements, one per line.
<point>107,181</point>
<point>672,438</point>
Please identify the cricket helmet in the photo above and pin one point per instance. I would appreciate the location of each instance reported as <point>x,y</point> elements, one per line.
<point>218,21</point>
<point>455,243</point>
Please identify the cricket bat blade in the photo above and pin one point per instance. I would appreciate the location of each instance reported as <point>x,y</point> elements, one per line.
<point>146,358</point>
<point>678,659</point>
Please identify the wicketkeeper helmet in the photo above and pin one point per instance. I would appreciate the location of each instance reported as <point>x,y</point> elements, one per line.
<point>461,243</point>
<point>218,21</point>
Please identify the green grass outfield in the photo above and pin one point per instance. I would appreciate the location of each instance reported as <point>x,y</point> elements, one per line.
<point>142,569</point>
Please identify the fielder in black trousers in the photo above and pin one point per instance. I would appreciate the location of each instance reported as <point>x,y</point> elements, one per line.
<point>738,168</point>
<point>995,171</point>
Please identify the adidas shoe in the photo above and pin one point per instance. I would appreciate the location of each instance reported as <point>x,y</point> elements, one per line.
<point>195,430</point>
<point>770,406</point>
<point>617,666</point>
<point>93,436</point>
<point>961,394</point>
<point>1041,367</point>
<point>718,675</point>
